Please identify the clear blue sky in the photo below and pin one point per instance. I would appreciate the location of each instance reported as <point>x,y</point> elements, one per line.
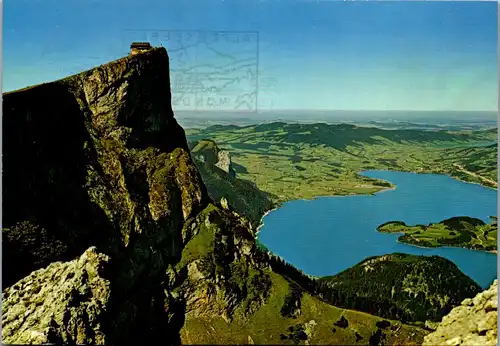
<point>320,54</point>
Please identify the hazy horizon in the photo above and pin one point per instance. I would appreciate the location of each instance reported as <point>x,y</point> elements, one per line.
<point>445,120</point>
<point>295,110</point>
<point>273,54</point>
<point>403,114</point>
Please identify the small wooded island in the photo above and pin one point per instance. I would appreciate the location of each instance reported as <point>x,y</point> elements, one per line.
<point>460,231</point>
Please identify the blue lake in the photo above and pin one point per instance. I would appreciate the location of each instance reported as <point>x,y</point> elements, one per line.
<point>329,234</point>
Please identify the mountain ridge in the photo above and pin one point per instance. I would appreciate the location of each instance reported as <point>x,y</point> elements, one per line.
<point>218,173</point>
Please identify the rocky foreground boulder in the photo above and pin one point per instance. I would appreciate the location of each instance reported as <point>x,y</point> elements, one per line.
<point>474,322</point>
<point>63,303</point>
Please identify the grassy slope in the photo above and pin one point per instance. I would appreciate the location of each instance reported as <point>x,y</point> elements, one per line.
<point>266,325</point>
<point>307,160</point>
<point>459,231</point>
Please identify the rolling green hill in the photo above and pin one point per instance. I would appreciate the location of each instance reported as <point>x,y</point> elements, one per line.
<point>306,160</point>
<point>409,287</point>
<point>458,231</point>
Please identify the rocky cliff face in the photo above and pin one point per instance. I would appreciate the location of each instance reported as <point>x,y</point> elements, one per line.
<point>474,322</point>
<point>220,268</point>
<point>96,159</point>
<point>208,152</point>
<point>224,162</point>
<point>222,183</point>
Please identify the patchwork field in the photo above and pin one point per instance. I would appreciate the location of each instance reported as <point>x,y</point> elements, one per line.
<point>306,160</point>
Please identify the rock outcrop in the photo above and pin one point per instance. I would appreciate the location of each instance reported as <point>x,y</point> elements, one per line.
<point>224,162</point>
<point>98,159</point>
<point>474,322</point>
<point>214,165</point>
<point>63,303</point>
<point>207,151</point>
<point>220,266</point>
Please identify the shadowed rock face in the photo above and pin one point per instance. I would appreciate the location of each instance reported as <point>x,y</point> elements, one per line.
<point>97,159</point>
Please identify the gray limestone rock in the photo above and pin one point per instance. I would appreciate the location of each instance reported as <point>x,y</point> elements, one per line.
<point>474,322</point>
<point>62,303</point>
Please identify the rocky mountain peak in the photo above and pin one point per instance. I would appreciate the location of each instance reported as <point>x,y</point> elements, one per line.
<point>97,159</point>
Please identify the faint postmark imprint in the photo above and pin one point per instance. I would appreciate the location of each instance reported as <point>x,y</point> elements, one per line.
<point>209,70</point>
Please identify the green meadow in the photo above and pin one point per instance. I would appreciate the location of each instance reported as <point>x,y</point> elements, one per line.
<point>457,231</point>
<point>293,161</point>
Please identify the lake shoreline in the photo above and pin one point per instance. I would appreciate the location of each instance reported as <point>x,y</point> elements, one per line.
<point>383,189</point>
<point>365,250</point>
<point>261,223</point>
<point>471,182</point>
<point>439,247</point>
<point>280,204</point>
<point>445,174</point>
